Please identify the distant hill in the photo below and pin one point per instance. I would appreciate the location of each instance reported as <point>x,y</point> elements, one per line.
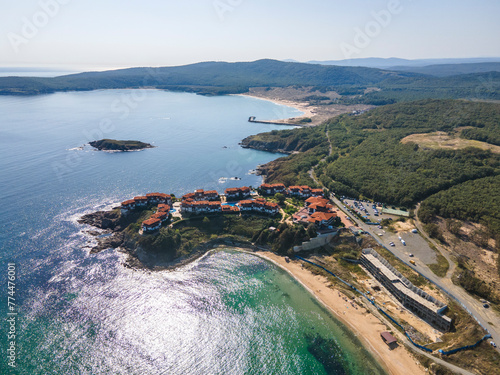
<point>391,62</point>
<point>444,70</point>
<point>205,77</point>
<point>218,78</point>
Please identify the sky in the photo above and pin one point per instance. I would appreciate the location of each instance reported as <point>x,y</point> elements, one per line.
<point>106,34</point>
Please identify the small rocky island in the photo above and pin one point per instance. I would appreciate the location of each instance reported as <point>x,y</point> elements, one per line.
<point>116,145</point>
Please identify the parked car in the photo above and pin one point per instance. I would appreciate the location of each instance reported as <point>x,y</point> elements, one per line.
<point>410,255</point>
<point>391,243</point>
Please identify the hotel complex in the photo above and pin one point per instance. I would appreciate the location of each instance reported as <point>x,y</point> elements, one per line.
<point>413,298</point>
<point>202,202</point>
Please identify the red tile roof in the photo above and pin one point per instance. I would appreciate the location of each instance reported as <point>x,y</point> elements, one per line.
<point>388,338</point>
<point>151,222</point>
<point>322,216</point>
<point>128,202</point>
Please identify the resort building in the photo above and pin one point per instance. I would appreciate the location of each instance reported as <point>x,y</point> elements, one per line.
<point>126,206</point>
<point>271,189</point>
<point>226,208</point>
<point>322,219</point>
<point>141,201</point>
<point>160,215</point>
<point>150,225</point>
<point>259,205</point>
<point>164,207</point>
<point>318,204</point>
<point>317,210</point>
<point>201,195</point>
<point>300,191</point>
<point>154,198</point>
<point>193,207</point>
<point>413,298</point>
<point>233,194</point>
<point>317,192</point>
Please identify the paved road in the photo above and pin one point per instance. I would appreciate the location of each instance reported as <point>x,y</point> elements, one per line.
<point>482,315</point>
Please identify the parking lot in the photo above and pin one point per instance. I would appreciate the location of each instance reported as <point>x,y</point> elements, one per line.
<point>366,210</point>
<point>413,244</point>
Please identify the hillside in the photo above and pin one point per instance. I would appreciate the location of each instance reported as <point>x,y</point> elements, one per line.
<point>205,77</point>
<point>368,158</point>
<point>357,85</point>
<point>444,70</point>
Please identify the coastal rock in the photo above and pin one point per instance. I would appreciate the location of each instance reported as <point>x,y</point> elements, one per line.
<point>255,144</point>
<point>116,145</point>
<point>101,219</point>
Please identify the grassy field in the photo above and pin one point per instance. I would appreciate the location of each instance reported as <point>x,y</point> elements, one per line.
<point>443,140</point>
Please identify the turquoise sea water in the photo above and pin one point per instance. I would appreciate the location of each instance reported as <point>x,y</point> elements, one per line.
<point>228,313</point>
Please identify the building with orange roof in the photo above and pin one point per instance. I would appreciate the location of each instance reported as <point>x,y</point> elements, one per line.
<point>141,201</point>
<point>127,205</point>
<point>161,215</point>
<point>154,198</point>
<point>164,207</point>
<point>150,225</point>
<point>322,218</point>
<point>317,192</point>
<point>201,195</point>
<point>237,193</point>
<point>303,191</point>
<point>271,189</point>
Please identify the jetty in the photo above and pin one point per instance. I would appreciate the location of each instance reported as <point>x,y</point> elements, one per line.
<point>252,119</point>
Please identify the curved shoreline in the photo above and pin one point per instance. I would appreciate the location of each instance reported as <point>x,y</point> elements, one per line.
<point>364,326</point>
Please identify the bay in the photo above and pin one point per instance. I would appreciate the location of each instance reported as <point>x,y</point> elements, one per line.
<point>228,313</point>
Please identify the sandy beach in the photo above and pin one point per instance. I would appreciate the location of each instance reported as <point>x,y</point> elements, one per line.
<point>309,111</point>
<point>365,325</point>
<point>297,98</point>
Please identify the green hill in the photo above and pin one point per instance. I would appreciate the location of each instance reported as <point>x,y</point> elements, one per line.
<point>216,78</point>
<point>368,158</point>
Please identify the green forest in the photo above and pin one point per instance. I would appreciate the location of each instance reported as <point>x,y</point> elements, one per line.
<point>219,78</point>
<point>477,201</point>
<point>368,158</point>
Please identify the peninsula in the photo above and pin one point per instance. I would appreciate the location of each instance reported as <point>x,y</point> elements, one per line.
<point>116,145</point>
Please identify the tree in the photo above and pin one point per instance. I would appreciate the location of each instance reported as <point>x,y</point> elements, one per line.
<point>280,198</point>
<point>311,230</point>
<point>206,222</point>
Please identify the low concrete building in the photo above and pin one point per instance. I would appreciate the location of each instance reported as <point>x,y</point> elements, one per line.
<point>414,299</point>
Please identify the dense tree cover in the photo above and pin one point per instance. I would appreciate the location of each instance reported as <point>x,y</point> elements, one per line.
<point>217,78</point>
<point>261,73</point>
<point>401,89</point>
<point>444,70</point>
<point>369,159</point>
<point>300,139</point>
<point>477,201</point>
<point>386,170</point>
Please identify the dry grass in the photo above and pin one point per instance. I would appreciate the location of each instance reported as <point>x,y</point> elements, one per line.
<point>442,140</point>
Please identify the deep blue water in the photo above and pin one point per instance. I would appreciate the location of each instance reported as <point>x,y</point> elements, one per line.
<point>87,314</point>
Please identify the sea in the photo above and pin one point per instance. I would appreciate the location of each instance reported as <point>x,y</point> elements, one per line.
<point>66,311</point>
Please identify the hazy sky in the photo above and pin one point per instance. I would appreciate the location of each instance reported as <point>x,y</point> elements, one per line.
<point>109,33</point>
